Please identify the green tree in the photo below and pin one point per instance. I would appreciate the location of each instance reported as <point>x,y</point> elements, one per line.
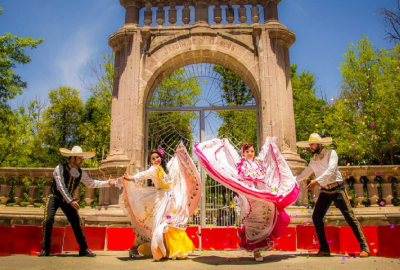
<point>14,137</point>
<point>12,52</point>
<point>238,126</point>
<point>309,110</point>
<point>364,120</point>
<point>34,149</point>
<point>61,121</point>
<point>94,132</point>
<point>13,123</point>
<point>235,91</point>
<point>167,129</point>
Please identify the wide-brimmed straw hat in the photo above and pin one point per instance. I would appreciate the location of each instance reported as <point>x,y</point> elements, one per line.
<point>76,151</point>
<point>315,138</point>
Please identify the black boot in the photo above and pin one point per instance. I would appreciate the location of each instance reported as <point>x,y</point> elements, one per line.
<point>86,253</point>
<point>44,253</point>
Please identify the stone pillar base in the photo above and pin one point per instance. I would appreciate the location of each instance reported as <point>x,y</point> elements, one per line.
<point>115,160</point>
<point>296,163</point>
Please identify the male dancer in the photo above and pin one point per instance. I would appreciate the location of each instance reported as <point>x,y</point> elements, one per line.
<point>325,166</point>
<point>66,179</point>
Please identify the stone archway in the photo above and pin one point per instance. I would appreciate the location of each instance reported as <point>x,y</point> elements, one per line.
<point>258,53</point>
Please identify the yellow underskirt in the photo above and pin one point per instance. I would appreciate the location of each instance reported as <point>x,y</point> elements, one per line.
<point>177,243</point>
<point>144,250</point>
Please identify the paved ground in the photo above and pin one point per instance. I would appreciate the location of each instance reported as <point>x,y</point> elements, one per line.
<point>200,260</point>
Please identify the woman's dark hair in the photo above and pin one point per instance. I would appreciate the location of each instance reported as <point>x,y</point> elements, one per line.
<point>247,146</point>
<point>163,162</point>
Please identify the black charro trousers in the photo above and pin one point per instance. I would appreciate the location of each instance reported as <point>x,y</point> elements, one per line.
<point>51,207</point>
<point>338,195</point>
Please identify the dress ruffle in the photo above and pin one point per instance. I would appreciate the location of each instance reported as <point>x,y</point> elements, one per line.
<point>166,209</point>
<point>279,185</point>
<point>263,193</point>
<point>253,170</point>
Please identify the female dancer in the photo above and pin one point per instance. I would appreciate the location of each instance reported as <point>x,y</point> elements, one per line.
<point>159,214</point>
<point>265,186</point>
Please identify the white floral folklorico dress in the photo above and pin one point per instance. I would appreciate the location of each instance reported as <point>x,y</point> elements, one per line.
<point>265,186</point>
<point>159,214</point>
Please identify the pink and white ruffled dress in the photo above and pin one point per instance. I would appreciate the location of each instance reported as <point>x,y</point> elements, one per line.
<point>265,186</point>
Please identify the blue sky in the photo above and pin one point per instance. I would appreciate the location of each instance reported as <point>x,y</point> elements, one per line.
<point>76,31</point>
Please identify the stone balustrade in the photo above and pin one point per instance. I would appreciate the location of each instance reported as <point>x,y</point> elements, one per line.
<point>373,186</point>
<point>107,196</point>
<point>171,13</point>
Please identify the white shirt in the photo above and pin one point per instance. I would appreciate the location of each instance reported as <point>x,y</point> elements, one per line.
<point>325,169</point>
<point>153,174</point>
<point>85,179</point>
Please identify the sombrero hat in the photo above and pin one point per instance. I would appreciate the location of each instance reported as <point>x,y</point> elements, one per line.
<point>76,151</point>
<point>315,138</point>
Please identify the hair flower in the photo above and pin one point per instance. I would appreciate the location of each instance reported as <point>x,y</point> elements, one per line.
<point>244,145</point>
<point>160,151</point>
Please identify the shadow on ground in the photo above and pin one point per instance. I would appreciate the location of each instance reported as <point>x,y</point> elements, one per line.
<point>216,260</point>
<point>124,259</point>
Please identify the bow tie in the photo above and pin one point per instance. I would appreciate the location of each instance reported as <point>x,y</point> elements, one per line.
<point>74,173</point>
<point>318,156</point>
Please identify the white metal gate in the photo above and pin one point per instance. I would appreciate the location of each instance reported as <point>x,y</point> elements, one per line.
<point>172,118</point>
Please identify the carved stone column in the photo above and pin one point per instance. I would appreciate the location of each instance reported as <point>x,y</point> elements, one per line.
<point>18,190</point>
<point>387,191</point>
<point>276,106</point>
<point>172,13</point>
<point>114,196</point>
<point>372,191</point>
<point>201,13</point>
<point>127,145</point>
<point>148,14</point>
<point>89,196</point>
<point>242,14</point>
<point>5,190</point>
<point>271,10</point>
<point>160,14</point>
<point>186,13</point>
<point>302,200</point>
<point>132,11</point>
<point>46,188</point>
<point>254,12</point>
<point>33,190</point>
<point>77,193</point>
<point>104,197</point>
<point>217,13</point>
<point>230,14</point>
<point>358,190</point>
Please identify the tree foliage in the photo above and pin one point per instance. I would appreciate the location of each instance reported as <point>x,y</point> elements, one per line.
<point>238,126</point>
<point>308,109</point>
<point>94,131</point>
<point>61,121</point>
<point>235,91</point>
<point>14,124</point>
<point>12,52</point>
<point>364,120</point>
<point>167,129</point>
<point>14,136</point>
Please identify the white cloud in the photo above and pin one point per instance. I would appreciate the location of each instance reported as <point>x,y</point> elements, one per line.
<point>84,44</point>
